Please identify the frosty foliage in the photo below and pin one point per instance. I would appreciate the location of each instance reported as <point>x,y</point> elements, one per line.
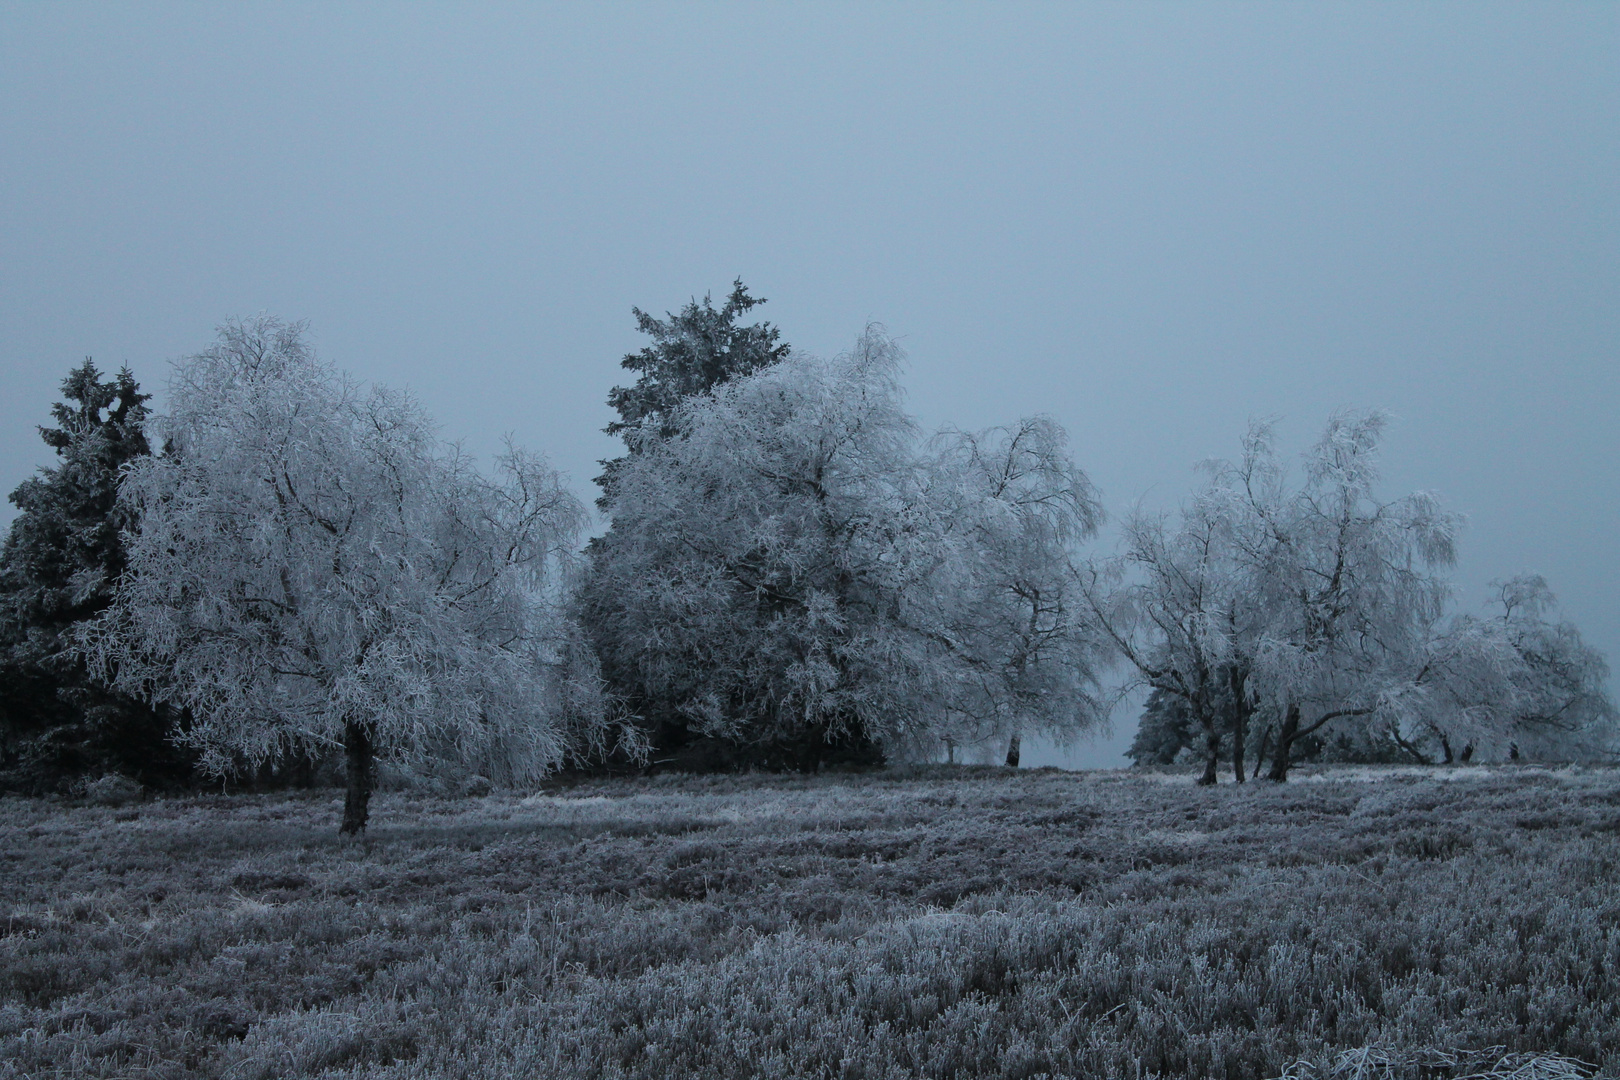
<point>309,559</point>
<point>788,559</point>
<point>1318,609</point>
<point>1176,607</point>
<point>1347,584</point>
<point>1508,681</point>
<point>1015,509</point>
<point>692,352</point>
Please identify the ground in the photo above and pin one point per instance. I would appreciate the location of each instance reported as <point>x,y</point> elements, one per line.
<point>941,922</point>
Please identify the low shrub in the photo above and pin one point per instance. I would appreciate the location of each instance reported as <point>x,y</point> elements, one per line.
<point>933,923</point>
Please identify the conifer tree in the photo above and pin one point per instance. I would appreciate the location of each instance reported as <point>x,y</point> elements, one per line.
<point>59,567</point>
<point>691,353</point>
<point>1165,732</point>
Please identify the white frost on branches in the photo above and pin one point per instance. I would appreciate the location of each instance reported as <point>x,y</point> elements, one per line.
<point>1014,509</point>
<point>791,559</point>
<point>1321,608</point>
<point>308,556</point>
<point>1350,583</point>
<point>1508,681</point>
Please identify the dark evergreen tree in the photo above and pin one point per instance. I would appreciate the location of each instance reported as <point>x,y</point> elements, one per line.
<point>1165,731</point>
<point>691,353</point>
<point>60,566</point>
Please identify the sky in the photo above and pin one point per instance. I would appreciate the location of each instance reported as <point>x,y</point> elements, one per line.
<point>1153,222</point>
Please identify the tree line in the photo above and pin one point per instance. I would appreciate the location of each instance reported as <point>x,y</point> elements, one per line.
<point>289,569</point>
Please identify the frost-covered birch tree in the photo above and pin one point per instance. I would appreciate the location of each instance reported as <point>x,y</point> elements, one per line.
<point>1350,583</point>
<point>1014,509</point>
<point>1507,683</point>
<point>312,568</point>
<point>1310,603</point>
<point>1177,605</point>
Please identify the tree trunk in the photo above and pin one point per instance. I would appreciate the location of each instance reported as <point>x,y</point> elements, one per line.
<point>1260,752</point>
<point>1445,745</point>
<point>357,751</point>
<point>1012,751</point>
<point>1212,752</point>
<point>1285,745</point>
<point>1240,717</point>
<point>1411,748</point>
<point>1468,752</point>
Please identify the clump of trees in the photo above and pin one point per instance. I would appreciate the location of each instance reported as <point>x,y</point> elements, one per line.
<point>1311,619</point>
<point>793,575</point>
<point>794,572</point>
<point>1508,682</point>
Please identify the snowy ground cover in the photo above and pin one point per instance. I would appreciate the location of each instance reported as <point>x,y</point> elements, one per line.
<point>939,922</point>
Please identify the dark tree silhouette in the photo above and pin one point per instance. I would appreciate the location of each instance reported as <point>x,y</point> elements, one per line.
<point>59,567</point>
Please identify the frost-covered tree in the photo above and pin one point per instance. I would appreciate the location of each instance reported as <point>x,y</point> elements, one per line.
<point>310,568</point>
<point>1508,683</point>
<point>1349,583</point>
<point>789,570</point>
<point>1013,509</point>
<point>1177,605</point>
<point>691,353</point>
<point>60,566</point>
<point>1309,603</point>
<point>1165,731</point>
<point>1320,608</point>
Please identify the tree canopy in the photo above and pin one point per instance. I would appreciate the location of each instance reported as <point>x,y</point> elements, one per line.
<point>790,569</point>
<point>310,567</point>
<point>1322,608</point>
<point>690,354</point>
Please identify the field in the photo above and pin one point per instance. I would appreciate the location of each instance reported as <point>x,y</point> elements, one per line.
<point>937,922</point>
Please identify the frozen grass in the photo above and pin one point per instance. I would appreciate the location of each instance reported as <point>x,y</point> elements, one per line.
<point>940,923</point>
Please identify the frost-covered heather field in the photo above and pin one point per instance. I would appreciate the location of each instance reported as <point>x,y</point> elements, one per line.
<point>940,923</point>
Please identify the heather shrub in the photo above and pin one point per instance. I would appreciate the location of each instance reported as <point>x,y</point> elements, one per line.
<point>936,923</point>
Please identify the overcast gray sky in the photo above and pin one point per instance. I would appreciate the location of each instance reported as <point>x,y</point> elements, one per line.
<point>1152,222</point>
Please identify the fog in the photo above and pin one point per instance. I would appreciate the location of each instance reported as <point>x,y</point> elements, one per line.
<point>1153,223</point>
